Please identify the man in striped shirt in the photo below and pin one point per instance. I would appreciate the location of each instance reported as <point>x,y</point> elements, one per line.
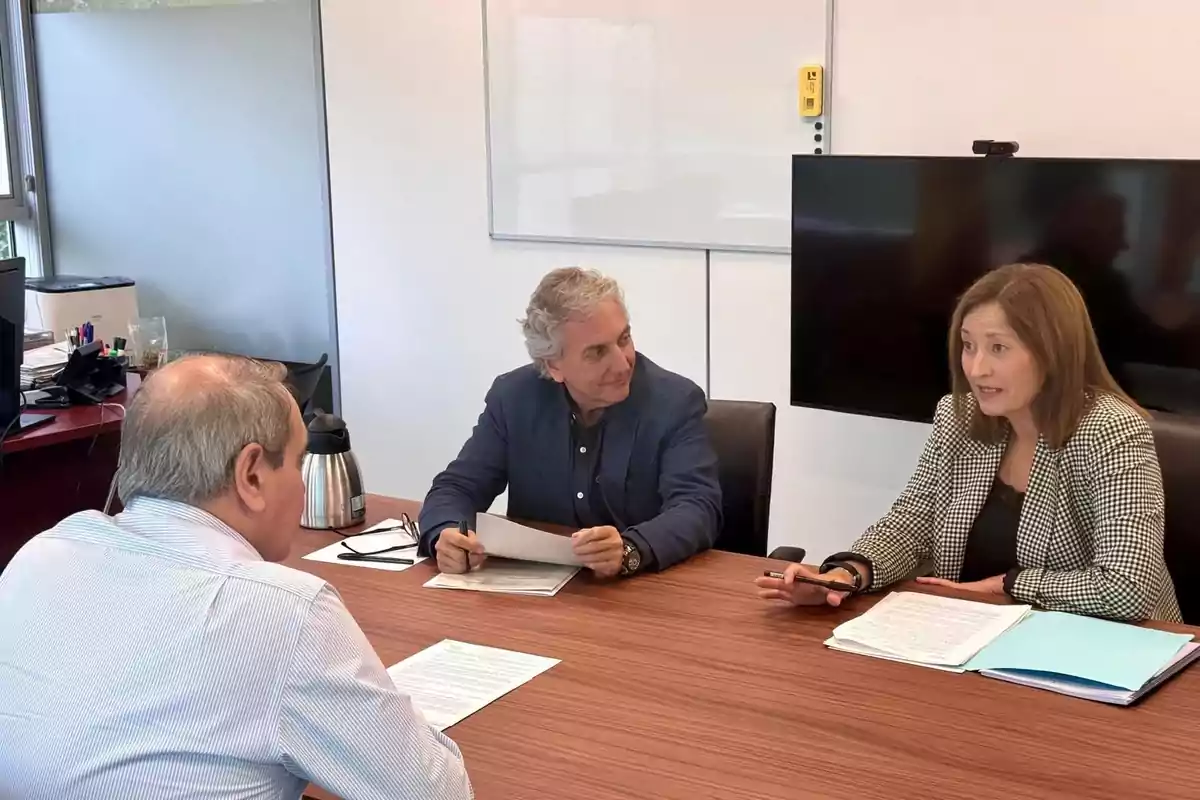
<point>162,654</point>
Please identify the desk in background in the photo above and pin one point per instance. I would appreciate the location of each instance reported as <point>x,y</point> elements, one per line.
<point>59,468</point>
<point>686,685</point>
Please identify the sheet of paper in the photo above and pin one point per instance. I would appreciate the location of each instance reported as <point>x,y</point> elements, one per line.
<point>1112,653</point>
<point>367,542</point>
<point>451,680</point>
<point>509,577</point>
<point>508,539</point>
<point>928,628</point>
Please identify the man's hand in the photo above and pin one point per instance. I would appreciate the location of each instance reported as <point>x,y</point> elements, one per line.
<point>600,549</point>
<point>457,553</point>
<point>798,593</point>
<point>993,586</point>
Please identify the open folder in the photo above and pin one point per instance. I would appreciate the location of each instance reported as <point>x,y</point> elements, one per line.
<point>1095,659</point>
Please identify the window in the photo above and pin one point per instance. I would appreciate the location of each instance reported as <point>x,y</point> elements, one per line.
<point>7,250</point>
<point>9,167</point>
<point>23,230</point>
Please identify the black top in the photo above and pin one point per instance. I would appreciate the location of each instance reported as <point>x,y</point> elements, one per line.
<point>992,542</point>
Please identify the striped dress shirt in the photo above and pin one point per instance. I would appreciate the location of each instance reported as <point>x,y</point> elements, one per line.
<point>156,655</point>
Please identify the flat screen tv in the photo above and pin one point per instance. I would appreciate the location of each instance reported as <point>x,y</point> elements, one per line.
<point>882,247</point>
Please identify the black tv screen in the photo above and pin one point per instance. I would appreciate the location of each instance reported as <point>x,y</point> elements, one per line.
<point>882,247</point>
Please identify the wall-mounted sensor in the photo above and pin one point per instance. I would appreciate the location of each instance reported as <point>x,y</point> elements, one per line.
<point>812,80</point>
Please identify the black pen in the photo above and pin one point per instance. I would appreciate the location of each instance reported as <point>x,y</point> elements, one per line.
<point>379,559</point>
<point>463,527</point>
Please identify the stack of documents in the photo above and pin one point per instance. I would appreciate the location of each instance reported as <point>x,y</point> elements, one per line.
<point>42,364</point>
<point>452,680</point>
<point>35,339</point>
<point>509,577</point>
<point>925,629</point>
<point>1095,659</point>
<point>521,560</point>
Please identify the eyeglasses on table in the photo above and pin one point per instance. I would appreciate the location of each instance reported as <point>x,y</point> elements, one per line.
<point>406,526</point>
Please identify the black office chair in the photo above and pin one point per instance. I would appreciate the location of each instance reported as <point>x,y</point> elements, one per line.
<point>743,436</point>
<point>1177,440</point>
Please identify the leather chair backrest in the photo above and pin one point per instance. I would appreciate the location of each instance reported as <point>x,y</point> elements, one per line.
<point>1177,440</point>
<point>743,436</point>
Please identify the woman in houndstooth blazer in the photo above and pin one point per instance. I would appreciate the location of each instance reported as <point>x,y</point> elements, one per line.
<point>1040,478</point>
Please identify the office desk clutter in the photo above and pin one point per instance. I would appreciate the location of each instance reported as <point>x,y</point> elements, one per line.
<point>91,375</point>
<point>107,305</point>
<point>41,366</point>
<point>37,338</point>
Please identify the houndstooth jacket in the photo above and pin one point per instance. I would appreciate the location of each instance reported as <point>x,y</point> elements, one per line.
<point>1090,537</point>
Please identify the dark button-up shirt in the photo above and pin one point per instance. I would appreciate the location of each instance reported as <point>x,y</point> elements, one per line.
<point>591,509</point>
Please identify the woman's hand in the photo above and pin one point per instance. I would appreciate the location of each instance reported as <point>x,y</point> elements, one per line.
<point>804,594</point>
<point>990,586</point>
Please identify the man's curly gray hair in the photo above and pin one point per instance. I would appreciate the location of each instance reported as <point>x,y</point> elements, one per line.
<point>564,294</point>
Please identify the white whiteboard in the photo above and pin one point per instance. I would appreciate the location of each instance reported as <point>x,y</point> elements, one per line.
<point>668,122</point>
<point>1097,78</point>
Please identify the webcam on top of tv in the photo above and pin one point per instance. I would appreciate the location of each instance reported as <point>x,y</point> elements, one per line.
<point>990,147</point>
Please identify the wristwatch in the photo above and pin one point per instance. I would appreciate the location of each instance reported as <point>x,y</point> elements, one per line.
<point>855,576</point>
<point>631,561</point>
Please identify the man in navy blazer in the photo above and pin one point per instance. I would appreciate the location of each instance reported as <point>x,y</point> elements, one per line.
<point>591,435</point>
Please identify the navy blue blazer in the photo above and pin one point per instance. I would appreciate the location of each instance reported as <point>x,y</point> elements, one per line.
<point>658,472</point>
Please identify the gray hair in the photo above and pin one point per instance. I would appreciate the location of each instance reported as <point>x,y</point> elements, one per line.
<point>189,421</point>
<point>564,294</point>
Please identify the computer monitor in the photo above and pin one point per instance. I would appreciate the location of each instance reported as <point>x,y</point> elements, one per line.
<point>12,347</point>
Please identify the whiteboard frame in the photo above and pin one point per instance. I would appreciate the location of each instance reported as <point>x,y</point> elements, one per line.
<point>827,140</point>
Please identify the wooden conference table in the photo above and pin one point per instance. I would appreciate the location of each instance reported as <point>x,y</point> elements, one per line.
<point>56,469</point>
<point>686,685</point>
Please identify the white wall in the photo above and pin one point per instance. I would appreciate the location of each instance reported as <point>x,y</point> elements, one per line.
<point>184,150</point>
<point>427,303</point>
<point>1068,78</point>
